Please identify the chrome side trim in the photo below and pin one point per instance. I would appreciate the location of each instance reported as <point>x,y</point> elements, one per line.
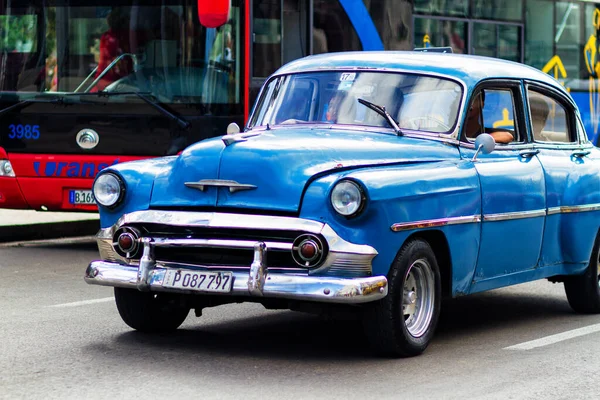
<point>294,287</point>
<point>434,223</point>
<point>514,215</point>
<point>232,185</point>
<point>573,209</point>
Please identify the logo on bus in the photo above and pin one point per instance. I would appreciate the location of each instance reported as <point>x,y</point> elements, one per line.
<point>70,169</point>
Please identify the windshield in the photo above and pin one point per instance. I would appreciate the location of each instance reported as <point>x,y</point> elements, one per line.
<point>416,102</point>
<point>49,47</point>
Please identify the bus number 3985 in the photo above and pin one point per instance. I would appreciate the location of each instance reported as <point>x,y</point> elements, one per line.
<point>28,132</point>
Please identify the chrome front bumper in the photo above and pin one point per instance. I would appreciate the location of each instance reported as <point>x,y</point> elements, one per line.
<point>294,287</point>
<point>149,274</point>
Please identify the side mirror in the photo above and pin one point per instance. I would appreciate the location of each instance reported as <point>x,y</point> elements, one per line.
<point>484,143</point>
<point>233,128</point>
<point>213,13</point>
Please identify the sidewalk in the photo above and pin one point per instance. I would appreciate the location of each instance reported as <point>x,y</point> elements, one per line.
<point>20,225</point>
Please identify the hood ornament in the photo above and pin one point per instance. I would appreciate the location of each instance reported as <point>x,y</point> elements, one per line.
<point>232,185</point>
<point>238,137</point>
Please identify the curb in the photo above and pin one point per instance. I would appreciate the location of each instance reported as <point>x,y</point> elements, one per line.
<point>49,230</point>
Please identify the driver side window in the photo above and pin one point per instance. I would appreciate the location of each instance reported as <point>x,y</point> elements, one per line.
<point>492,111</point>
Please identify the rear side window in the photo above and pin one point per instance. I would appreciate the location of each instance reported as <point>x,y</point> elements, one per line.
<point>549,119</point>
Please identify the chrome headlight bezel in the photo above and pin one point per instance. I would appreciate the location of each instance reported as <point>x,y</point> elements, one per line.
<point>109,178</point>
<point>6,169</point>
<point>352,189</point>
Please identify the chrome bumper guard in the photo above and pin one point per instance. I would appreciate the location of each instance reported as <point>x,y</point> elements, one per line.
<point>149,276</point>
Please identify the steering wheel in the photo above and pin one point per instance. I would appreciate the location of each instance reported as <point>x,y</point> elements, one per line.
<point>153,83</point>
<point>416,123</point>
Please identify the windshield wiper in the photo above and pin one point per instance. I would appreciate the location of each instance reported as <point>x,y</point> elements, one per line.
<point>26,102</point>
<point>183,124</point>
<point>383,112</point>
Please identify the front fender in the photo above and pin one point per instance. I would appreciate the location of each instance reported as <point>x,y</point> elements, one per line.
<point>139,181</point>
<point>404,194</point>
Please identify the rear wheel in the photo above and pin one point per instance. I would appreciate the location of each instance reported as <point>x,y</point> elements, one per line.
<point>150,312</point>
<point>403,323</point>
<point>583,291</point>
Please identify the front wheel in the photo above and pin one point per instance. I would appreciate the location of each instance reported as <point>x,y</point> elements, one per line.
<point>403,323</point>
<point>583,291</point>
<point>150,312</point>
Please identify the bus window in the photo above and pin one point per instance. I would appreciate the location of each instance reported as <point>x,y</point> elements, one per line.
<point>295,27</point>
<point>266,37</point>
<point>332,30</point>
<point>394,31</point>
<point>19,47</point>
<point>157,48</point>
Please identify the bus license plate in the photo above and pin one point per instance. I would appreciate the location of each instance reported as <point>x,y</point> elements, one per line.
<point>219,282</point>
<point>81,197</point>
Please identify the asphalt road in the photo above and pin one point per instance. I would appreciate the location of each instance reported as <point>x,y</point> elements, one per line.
<point>61,338</point>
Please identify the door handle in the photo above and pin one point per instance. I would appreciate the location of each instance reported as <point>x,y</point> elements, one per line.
<point>528,153</point>
<point>581,153</point>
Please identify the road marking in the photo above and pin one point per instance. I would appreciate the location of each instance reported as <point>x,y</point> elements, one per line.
<point>559,337</point>
<point>83,303</point>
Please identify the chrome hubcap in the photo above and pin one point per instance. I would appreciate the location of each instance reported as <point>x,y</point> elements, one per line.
<point>418,297</point>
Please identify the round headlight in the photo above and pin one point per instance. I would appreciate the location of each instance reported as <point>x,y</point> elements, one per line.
<point>108,190</point>
<point>347,198</point>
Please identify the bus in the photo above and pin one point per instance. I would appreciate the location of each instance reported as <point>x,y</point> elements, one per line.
<point>87,84</point>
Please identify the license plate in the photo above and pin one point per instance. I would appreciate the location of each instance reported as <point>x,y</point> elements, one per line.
<point>219,282</point>
<point>81,197</point>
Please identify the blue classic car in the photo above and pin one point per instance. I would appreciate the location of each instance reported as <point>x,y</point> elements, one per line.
<point>371,182</point>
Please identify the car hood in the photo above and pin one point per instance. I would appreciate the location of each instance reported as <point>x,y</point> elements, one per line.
<point>277,164</point>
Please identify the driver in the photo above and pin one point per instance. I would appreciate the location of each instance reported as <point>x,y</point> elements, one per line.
<point>474,123</point>
<point>113,43</point>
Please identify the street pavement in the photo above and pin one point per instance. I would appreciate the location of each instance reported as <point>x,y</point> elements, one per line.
<point>29,217</point>
<point>17,225</point>
<point>64,339</point>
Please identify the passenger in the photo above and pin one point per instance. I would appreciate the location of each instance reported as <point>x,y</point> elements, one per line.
<point>474,123</point>
<point>539,114</point>
<point>113,43</point>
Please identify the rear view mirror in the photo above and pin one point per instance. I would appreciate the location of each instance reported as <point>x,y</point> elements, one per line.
<point>213,13</point>
<point>485,144</point>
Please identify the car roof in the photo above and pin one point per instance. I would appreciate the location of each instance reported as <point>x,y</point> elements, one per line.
<point>467,68</point>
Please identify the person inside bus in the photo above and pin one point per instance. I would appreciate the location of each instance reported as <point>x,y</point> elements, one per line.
<point>113,43</point>
<point>474,124</point>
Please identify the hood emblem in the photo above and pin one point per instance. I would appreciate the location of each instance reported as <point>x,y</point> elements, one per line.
<point>238,137</point>
<point>232,185</point>
<point>87,139</point>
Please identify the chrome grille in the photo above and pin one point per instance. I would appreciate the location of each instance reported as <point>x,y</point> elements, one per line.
<point>209,240</point>
<point>220,247</point>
